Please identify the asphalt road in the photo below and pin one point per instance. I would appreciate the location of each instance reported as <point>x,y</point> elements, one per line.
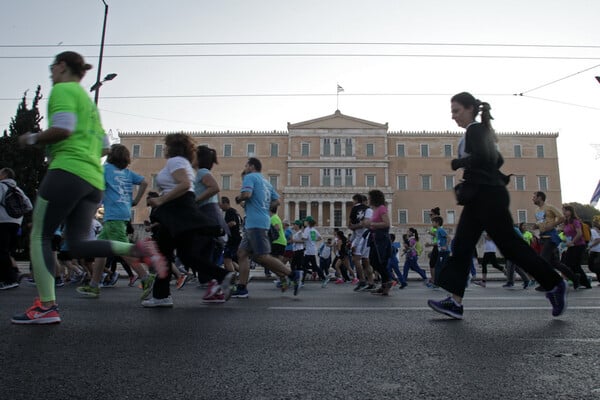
<point>327,343</point>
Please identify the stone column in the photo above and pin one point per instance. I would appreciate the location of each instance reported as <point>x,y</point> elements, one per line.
<point>344,220</point>
<point>286,210</point>
<point>332,213</point>
<point>296,210</point>
<point>320,212</point>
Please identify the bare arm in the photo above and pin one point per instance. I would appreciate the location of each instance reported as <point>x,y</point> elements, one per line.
<point>183,185</point>
<point>212,187</point>
<point>140,192</point>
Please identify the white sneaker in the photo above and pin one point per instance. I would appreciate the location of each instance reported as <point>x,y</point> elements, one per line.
<point>153,302</point>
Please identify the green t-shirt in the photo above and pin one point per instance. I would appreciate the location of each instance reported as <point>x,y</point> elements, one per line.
<point>433,233</point>
<point>80,153</point>
<point>275,220</point>
<point>528,237</point>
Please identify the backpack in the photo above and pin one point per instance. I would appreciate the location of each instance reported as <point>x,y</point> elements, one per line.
<point>419,248</point>
<point>587,232</point>
<point>15,202</point>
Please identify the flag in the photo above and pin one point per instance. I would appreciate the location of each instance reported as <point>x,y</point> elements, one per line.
<point>339,88</point>
<point>596,195</point>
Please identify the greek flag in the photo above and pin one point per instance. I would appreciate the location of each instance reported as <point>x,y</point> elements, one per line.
<point>339,88</point>
<point>596,195</point>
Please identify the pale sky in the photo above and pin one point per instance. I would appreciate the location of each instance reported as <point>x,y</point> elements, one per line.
<point>422,80</point>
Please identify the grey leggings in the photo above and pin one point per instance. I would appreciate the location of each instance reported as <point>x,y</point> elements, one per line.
<point>65,197</point>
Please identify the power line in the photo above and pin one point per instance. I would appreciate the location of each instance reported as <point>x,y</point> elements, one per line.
<point>440,44</point>
<point>325,55</point>
<point>561,102</point>
<point>558,80</point>
<point>225,95</point>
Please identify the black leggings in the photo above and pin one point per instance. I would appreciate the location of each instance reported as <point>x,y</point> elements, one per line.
<point>195,251</point>
<point>489,211</point>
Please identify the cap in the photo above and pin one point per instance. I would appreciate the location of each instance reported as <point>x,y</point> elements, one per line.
<point>298,222</point>
<point>286,222</point>
<point>309,219</point>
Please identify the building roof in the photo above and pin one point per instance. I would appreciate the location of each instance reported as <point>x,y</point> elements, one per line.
<point>337,120</point>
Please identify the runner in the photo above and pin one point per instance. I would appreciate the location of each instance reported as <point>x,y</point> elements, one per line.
<point>485,198</point>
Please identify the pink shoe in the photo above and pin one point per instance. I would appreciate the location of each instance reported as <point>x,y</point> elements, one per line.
<point>213,293</point>
<point>340,281</point>
<point>354,281</point>
<point>152,257</point>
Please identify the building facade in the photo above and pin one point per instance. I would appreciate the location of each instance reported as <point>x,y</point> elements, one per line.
<point>319,164</point>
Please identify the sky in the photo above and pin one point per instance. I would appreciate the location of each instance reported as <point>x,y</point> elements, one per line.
<point>245,65</point>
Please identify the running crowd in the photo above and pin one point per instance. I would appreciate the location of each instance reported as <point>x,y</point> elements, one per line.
<point>197,235</point>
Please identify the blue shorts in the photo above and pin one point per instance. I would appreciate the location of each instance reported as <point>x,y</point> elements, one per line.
<point>256,241</point>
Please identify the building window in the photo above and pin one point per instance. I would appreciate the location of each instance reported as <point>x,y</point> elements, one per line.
<point>450,217</point>
<point>326,146</point>
<point>349,148</point>
<point>337,177</point>
<point>337,147</point>
<point>426,182</point>
<point>521,216</point>
<point>370,150</point>
<point>304,180</point>
<point>274,180</point>
<point>153,181</point>
<point>370,180</point>
<point>402,182</point>
<point>158,151</point>
<point>400,150</point>
<point>302,213</point>
<point>519,182</point>
<point>226,182</point>
<point>518,151</point>
<point>426,217</point>
<point>540,150</point>
<point>326,177</point>
<point>425,150</point>
<point>305,149</point>
<point>543,183</point>
<point>449,182</point>
<point>403,217</point>
<point>251,150</point>
<point>337,216</point>
<point>227,150</point>
<point>349,177</point>
<point>274,150</point>
<point>136,151</point>
<point>447,150</point>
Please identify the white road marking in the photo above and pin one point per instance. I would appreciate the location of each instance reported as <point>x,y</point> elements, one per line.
<point>423,308</point>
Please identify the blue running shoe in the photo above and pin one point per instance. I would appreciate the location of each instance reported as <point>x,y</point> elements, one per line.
<point>239,293</point>
<point>558,298</point>
<point>447,307</point>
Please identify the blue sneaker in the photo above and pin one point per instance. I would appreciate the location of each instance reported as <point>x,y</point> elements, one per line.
<point>558,298</point>
<point>239,293</point>
<point>447,307</point>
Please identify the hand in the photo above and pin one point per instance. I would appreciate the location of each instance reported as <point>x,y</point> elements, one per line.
<point>155,201</point>
<point>455,164</point>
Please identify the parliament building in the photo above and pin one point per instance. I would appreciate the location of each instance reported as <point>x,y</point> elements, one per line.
<point>317,166</point>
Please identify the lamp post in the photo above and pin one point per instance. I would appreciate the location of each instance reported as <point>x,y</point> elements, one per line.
<point>98,83</point>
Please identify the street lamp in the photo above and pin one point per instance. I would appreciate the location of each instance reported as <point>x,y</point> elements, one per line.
<point>98,83</point>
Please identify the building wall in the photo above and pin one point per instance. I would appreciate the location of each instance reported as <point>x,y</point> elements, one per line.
<point>374,154</point>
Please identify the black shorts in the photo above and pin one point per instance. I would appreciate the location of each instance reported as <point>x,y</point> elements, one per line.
<point>56,241</point>
<point>64,255</point>
<point>230,251</point>
<point>277,249</point>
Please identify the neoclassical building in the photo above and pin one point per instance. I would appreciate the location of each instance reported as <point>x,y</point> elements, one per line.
<point>319,164</point>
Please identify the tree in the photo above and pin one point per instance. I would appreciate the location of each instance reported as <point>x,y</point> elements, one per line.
<point>584,211</point>
<point>29,163</point>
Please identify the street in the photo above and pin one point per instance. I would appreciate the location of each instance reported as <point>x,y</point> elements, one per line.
<point>329,343</point>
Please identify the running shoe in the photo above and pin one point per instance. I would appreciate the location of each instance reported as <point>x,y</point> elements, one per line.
<point>354,281</point>
<point>58,282</point>
<point>558,298</point>
<point>154,302</point>
<point>368,288</point>
<point>37,314</point>
<point>447,307</point>
<point>324,282</point>
<point>89,291</point>
<point>132,280</point>
<point>114,277</point>
<point>5,286</point>
<point>147,286</point>
<point>479,283</point>
<point>152,257</point>
<point>217,297</point>
<point>340,281</point>
<point>226,285</point>
<point>181,281</point>
<point>359,286</point>
<point>510,285</point>
<point>402,285</point>
<point>239,293</point>
<point>212,289</point>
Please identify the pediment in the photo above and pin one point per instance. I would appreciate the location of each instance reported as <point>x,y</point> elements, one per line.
<point>337,120</point>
